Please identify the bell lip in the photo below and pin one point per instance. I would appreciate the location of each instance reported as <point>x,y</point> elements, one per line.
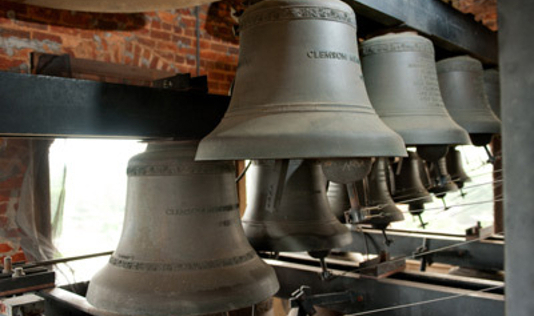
<point>304,136</point>
<point>447,134</point>
<point>271,287</point>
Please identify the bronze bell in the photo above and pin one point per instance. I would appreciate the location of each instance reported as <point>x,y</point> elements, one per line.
<point>299,91</point>
<point>338,199</point>
<point>303,221</point>
<point>442,179</point>
<point>374,196</point>
<point>492,88</point>
<point>461,81</point>
<point>182,250</point>
<point>400,75</point>
<point>409,188</point>
<point>456,168</point>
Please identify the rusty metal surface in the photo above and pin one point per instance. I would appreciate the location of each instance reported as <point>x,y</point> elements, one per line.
<point>182,250</point>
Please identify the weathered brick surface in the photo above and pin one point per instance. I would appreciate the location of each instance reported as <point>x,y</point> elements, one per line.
<point>164,40</point>
<point>484,11</point>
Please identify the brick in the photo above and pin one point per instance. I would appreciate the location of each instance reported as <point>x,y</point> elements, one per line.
<point>154,62</point>
<point>146,42</point>
<point>18,257</point>
<point>166,26</point>
<point>219,48</point>
<point>4,32</point>
<point>160,35</point>
<point>5,248</point>
<point>179,59</point>
<point>216,76</point>
<point>166,46</point>
<point>6,64</point>
<point>32,25</point>
<point>167,17</point>
<point>45,36</point>
<point>155,25</point>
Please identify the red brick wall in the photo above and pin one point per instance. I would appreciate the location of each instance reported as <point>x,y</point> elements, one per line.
<point>484,11</point>
<point>14,156</point>
<point>164,40</point>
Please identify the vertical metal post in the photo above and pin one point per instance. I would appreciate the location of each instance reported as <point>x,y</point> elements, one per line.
<point>516,63</point>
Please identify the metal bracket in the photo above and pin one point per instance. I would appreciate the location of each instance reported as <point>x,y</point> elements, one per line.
<point>303,300</point>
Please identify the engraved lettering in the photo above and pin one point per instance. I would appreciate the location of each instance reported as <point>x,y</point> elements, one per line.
<point>426,81</point>
<point>202,265</point>
<point>313,54</point>
<point>196,210</point>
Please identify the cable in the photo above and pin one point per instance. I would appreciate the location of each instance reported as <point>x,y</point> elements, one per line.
<point>435,300</point>
<point>243,172</point>
<point>412,256</point>
<point>452,206</point>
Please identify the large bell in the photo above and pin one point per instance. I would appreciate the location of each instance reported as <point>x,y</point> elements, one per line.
<point>299,91</point>
<point>442,179</point>
<point>461,81</point>
<point>182,249</point>
<point>374,195</point>
<point>456,168</point>
<point>493,90</point>
<point>400,75</point>
<point>409,188</point>
<point>303,221</point>
<point>115,6</point>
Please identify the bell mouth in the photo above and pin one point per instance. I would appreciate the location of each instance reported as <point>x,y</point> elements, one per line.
<point>481,139</point>
<point>296,236</point>
<point>432,152</point>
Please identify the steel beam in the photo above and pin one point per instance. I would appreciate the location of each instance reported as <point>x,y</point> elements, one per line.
<point>448,28</point>
<point>382,293</point>
<point>516,49</point>
<point>484,255</point>
<point>33,105</point>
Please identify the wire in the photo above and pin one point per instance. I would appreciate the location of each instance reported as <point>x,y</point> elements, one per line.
<point>243,172</point>
<point>452,206</point>
<point>412,256</point>
<point>435,300</point>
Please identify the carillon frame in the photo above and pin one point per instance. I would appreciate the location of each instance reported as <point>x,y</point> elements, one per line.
<point>73,108</point>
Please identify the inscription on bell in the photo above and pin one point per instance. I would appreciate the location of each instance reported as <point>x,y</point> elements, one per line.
<point>314,54</point>
<point>196,210</point>
<point>427,81</point>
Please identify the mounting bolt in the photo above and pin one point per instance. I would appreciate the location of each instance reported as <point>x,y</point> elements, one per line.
<point>18,272</point>
<point>8,265</point>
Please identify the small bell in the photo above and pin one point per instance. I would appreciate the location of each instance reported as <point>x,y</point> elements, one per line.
<point>409,187</point>
<point>456,168</point>
<point>303,220</point>
<point>461,81</point>
<point>182,250</point>
<point>442,179</point>
<point>375,197</point>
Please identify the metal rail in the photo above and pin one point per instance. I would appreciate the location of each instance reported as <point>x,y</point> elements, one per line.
<point>383,293</point>
<point>452,32</point>
<point>33,105</point>
<point>483,255</point>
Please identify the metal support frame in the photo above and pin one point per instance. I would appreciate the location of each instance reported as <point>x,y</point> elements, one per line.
<point>484,255</point>
<point>451,31</point>
<point>33,105</point>
<point>517,98</point>
<point>381,293</point>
